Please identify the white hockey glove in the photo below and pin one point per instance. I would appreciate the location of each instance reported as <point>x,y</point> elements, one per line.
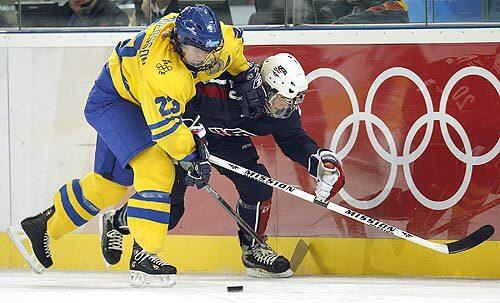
<point>326,168</point>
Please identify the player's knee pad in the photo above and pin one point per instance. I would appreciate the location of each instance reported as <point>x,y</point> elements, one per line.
<point>72,210</point>
<point>256,216</point>
<point>100,191</point>
<point>148,216</point>
<point>176,206</point>
<point>120,217</point>
<point>153,170</point>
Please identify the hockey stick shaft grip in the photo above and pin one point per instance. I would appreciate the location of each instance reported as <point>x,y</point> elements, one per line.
<point>442,248</point>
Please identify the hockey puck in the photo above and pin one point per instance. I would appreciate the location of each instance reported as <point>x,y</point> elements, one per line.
<point>234,288</point>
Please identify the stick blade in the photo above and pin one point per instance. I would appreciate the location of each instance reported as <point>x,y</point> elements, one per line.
<point>299,254</point>
<point>472,240</point>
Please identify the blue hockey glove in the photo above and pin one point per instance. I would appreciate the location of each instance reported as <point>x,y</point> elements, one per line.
<point>198,168</point>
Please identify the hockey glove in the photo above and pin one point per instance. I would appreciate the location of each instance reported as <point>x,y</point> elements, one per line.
<point>326,168</point>
<point>250,91</point>
<point>198,168</point>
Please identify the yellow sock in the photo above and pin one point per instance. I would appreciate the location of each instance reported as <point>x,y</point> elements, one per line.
<point>79,200</point>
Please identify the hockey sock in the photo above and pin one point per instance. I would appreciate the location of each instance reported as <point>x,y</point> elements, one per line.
<point>79,200</point>
<point>148,215</point>
<point>257,216</point>
<point>148,211</point>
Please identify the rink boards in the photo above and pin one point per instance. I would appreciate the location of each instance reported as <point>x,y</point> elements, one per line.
<point>325,256</point>
<point>372,98</point>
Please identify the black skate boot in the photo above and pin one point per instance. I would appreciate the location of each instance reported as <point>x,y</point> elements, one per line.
<point>111,239</point>
<point>147,270</point>
<point>263,262</point>
<point>34,229</point>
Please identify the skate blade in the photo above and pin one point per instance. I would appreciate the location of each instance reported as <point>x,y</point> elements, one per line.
<point>143,280</point>
<point>101,233</point>
<point>17,235</point>
<point>261,273</point>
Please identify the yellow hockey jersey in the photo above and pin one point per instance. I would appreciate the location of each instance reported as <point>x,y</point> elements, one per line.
<point>147,71</point>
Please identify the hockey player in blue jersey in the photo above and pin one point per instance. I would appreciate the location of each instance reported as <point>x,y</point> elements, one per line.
<point>229,125</point>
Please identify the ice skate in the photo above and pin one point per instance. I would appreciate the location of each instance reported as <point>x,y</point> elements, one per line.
<point>262,262</point>
<point>111,239</point>
<point>148,270</point>
<point>34,230</point>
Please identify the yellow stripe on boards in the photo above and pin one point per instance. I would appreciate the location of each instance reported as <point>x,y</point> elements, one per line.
<point>326,256</point>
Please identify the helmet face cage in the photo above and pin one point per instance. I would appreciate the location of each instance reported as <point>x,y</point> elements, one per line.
<point>210,60</point>
<point>189,53</point>
<point>281,107</point>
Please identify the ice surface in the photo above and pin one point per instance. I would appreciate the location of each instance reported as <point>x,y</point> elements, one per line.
<point>69,287</point>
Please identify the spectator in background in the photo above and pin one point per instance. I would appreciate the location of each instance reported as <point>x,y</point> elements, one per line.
<point>269,12</point>
<point>91,13</point>
<point>145,13</point>
<point>3,21</point>
<point>364,12</point>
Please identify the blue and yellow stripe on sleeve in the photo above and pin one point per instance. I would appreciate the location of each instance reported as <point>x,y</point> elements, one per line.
<point>165,127</point>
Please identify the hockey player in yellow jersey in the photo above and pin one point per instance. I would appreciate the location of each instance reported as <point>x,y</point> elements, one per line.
<point>135,106</point>
<point>148,71</point>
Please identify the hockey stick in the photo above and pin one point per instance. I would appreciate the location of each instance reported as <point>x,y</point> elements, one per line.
<point>464,217</point>
<point>299,253</point>
<point>301,248</point>
<point>235,216</point>
<point>470,241</point>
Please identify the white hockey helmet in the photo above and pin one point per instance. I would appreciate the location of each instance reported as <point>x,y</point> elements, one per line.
<point>285,83</point>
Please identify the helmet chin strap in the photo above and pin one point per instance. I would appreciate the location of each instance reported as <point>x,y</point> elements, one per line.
<point>197,69</point>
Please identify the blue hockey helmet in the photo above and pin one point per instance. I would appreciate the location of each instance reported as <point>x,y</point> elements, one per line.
<point>198,26</point>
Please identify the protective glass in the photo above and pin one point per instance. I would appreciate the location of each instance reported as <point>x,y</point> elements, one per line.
<point>278,106</point>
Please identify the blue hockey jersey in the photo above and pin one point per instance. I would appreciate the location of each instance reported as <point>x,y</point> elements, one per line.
<point>220,114</point>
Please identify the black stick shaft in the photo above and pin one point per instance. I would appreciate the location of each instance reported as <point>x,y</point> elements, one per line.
<point>235,216</point>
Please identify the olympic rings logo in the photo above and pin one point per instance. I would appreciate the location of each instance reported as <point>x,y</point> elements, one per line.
<point>406,158</point>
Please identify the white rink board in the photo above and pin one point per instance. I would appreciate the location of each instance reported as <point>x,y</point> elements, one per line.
<point>76,287</point>
<point>50,139</point>
<point>4,143</point>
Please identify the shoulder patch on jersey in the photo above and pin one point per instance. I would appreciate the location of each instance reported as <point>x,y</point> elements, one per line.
<point>238,32</point>
<point>218,66</point>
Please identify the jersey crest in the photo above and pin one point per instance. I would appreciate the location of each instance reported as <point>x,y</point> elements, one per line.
<point>218,65</point>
